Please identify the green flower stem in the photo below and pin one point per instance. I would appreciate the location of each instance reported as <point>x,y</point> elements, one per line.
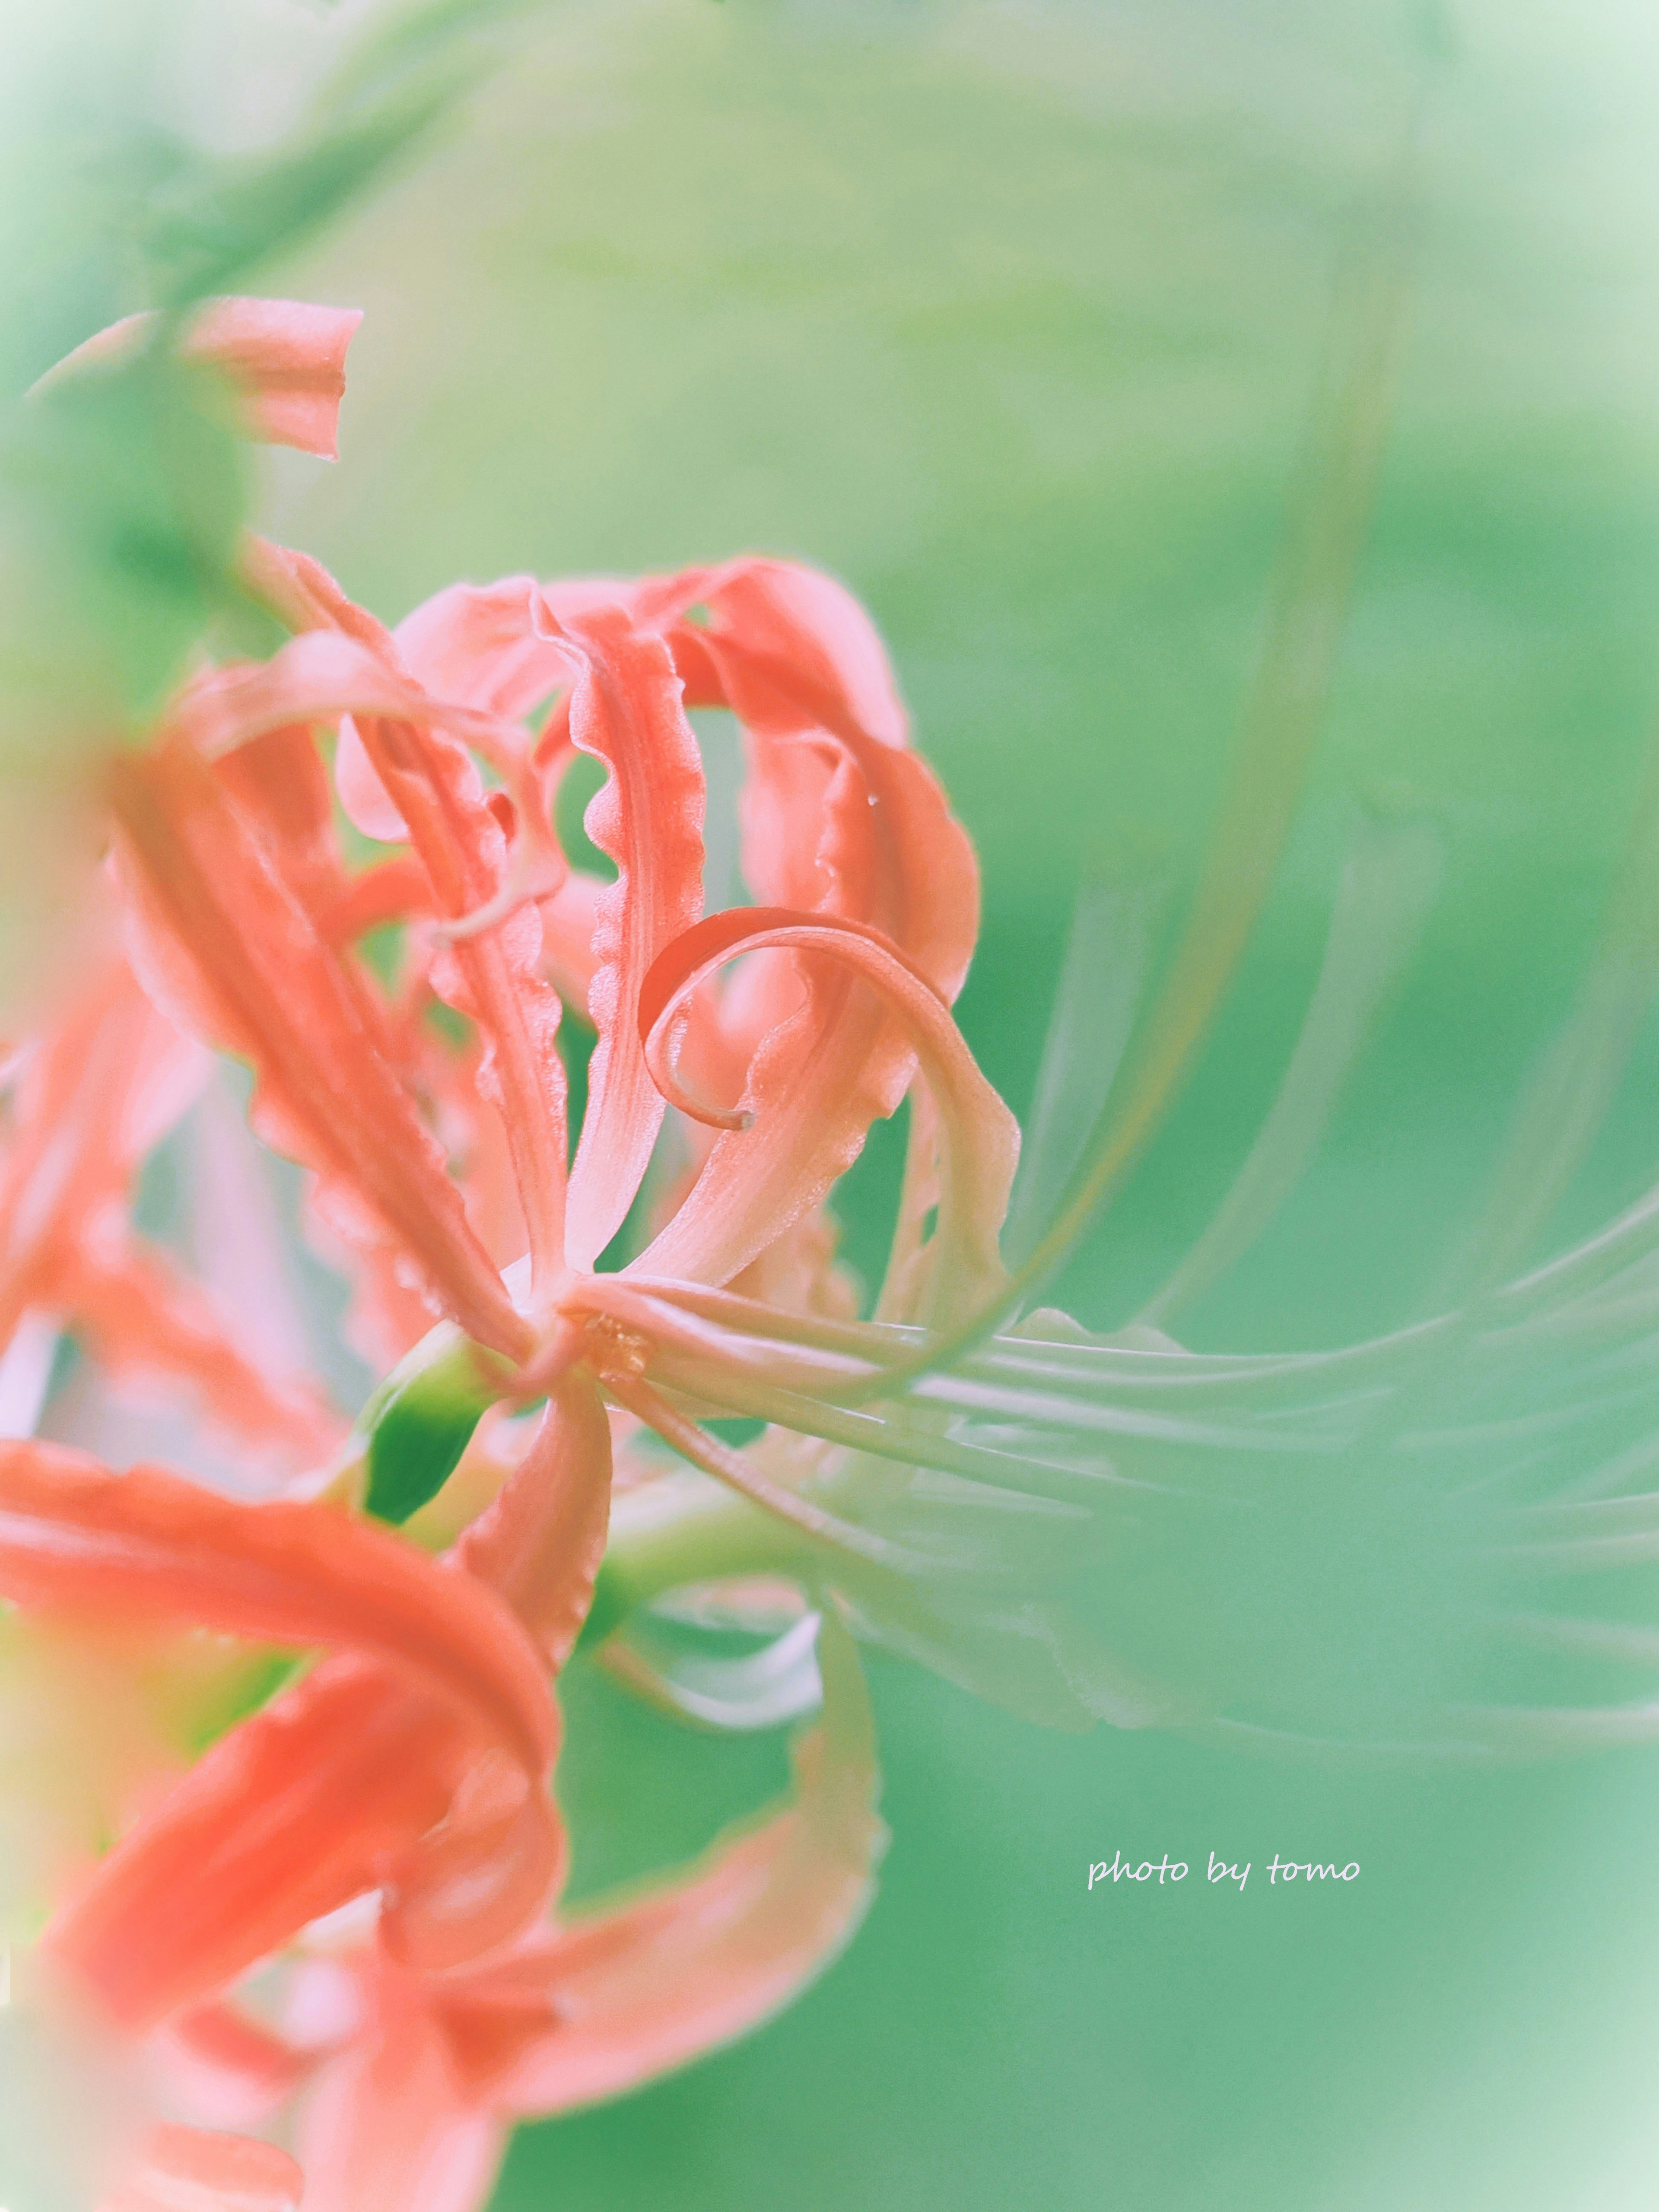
<point>684,1527</point>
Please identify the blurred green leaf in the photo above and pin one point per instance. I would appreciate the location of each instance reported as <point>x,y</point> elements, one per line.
<point>124,491</point>
<point>442,34</point>
<point>213,223</point>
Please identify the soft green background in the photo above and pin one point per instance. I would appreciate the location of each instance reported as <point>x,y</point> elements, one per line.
<point>1009,314</point>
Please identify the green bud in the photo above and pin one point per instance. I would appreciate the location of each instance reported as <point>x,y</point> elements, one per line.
<point>421,1419</point>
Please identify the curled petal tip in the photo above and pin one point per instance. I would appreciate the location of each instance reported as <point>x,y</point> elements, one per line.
<point>287,358</point>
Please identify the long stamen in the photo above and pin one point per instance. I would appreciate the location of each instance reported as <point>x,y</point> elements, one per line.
<point>736,1469</point>
<point>1282,719</point>
<point>904,1442</point>
<point>878,1342</point>
<point>696,1338</point>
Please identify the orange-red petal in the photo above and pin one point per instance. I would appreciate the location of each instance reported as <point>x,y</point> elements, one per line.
<point>348,1781</point>
<point>625,710</point>
<point>286,358</point>
<point>840,819</point>
<point>655,1983</point>
<point>981,1136</point>
<point>225,943</point>
<point>317,1799</point>
<point>148,1543</point>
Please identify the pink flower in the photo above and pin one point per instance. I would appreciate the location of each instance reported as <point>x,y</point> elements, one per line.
<point>411,1764</point>
<point>927,1477</point>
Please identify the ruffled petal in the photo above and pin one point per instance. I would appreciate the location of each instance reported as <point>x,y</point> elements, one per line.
<point>140,1316</point>
<point>490,649</point>
<point>625,710</point>
<point>486,1872</point>
<point>797,657</point>
<point>226,943</point>
<point>490,974</point>
<point>799,1272</point>
<point>501,1852</point>
<point>481,646</point>
<point>803,637</point>
<point>840,819</point>
<point>312,1801</point>
<point>655,1983</point>
<point>413,751</point>
<point>92,1098</point>
<point>315,677</point>
<point>301,593</point>
<point>540,1540</point>
<point>570,929</point>
<point>363,798</point>
<point>230,2070</point>
<point>287,358</point>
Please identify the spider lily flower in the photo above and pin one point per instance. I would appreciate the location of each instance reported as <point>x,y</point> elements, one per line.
<point>938,1506</point>
<point>416,1770</point>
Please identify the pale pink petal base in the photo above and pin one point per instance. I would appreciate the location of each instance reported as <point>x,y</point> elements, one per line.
<point>188,2170</point>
